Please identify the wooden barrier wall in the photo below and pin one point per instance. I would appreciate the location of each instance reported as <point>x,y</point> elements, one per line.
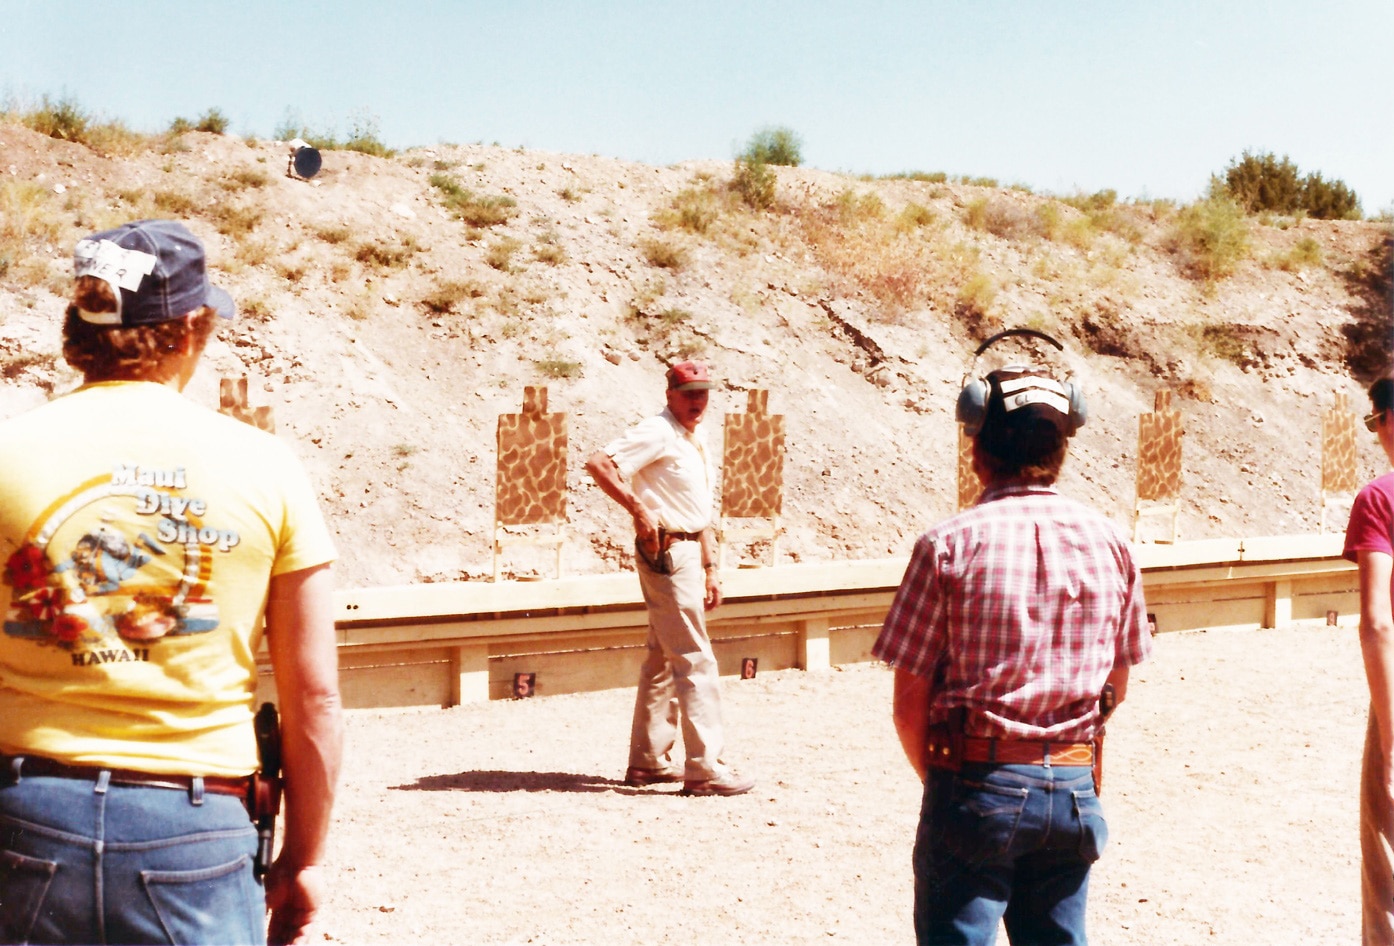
<point>450,643</point>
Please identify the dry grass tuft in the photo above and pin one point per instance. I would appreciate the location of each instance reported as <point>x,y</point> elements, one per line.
<point>665,254</point>
<point>234,220</point>
<point>473,209</point>
<point>447,296</point>
<point>890,258</point>
<point>1306,253</point>
<point>243,179</point>
<point>695,210</point>
<point>28,220</point>
<point>501,252</point>
<point>1005,218</point>
<point>383,255</point>
<point>548,249</point>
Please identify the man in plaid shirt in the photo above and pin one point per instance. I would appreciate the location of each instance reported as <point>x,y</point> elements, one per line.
<point>1012,619</point>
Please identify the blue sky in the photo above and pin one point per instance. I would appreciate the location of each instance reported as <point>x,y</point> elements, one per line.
<point>1147,98</point>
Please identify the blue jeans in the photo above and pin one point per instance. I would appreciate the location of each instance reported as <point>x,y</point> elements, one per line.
<point>1011,842</point>
<point>86,862</point>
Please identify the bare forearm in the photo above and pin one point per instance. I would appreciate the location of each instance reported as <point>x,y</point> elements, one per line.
<point>911,715</point>
<point>312,742</point>
<point>1377,640</point>
<point>602,468</point>
<point>304,658</point>
<point>1377,648</point>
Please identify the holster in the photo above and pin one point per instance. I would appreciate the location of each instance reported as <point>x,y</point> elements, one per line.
<point>1099,763</point>
<point>662,563</point>
<point>264,787</point>
<point>264,796</point>
<point>944,742</point>
<point>1108,702</point>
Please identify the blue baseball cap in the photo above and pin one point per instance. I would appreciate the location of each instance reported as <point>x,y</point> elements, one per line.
<point>156,270</point>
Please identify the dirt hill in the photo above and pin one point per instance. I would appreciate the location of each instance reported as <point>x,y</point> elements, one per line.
<point>392,308</point>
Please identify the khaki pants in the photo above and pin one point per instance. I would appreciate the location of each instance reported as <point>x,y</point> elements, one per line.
<point>679,672</point>
<point>1376,845</point>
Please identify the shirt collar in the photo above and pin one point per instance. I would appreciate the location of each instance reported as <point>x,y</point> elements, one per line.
<point>1016,489</point>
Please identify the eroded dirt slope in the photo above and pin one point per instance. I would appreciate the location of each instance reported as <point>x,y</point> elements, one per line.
<point>388,334</point>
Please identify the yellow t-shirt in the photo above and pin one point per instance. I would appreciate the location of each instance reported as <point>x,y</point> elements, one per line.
<point>138,532</point>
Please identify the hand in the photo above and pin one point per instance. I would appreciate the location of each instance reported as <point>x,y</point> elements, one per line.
<point>713,598</point>
<point>293,896</point>
<point>646,531</point>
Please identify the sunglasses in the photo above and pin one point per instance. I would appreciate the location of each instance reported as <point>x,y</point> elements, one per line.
<point>1372,420</point>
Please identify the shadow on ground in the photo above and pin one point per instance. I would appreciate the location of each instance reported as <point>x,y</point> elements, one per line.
<point>498,781</point>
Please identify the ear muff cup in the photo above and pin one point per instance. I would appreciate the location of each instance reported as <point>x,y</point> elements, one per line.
<point>1079,411</point>
<point>971,410</point>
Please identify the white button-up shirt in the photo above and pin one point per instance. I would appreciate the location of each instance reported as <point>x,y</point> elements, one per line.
<point>669,471</point>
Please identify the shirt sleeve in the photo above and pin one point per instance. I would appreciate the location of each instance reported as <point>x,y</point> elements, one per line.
<point>1134,637</point>
<point>1370,523</point>
<point>305,537</point>
<point>640,445</point>
<point>912,636</point>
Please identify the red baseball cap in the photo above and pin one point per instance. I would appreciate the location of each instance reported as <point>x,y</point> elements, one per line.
<point>689,376</point>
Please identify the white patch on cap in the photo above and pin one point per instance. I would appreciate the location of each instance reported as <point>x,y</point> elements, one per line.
<point>1019,392</point>
<point>115,264</point>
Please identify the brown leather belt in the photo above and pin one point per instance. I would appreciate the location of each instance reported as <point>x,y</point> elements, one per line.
<point>33,765</point>
<point>683,536</point>
<point>1026,752</point>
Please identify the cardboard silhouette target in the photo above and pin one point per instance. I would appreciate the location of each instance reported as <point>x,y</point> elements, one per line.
<point>232,400</point>
<point>969,486</point>
<point>1159,439</point>
<point>752,477</point>
<point>1338,454</point>
<point>530,490</point>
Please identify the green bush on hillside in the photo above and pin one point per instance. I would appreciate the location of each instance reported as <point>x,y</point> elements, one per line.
<point>213,121</point>
<point>774,146</point>
<point>1262,182</point>
<point>754,182</point>
<point>1212,237</point>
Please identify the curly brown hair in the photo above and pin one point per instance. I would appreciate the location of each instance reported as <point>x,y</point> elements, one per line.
<point>135,353</point>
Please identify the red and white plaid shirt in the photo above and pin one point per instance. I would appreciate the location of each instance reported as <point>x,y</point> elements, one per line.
<point>1018,609</point>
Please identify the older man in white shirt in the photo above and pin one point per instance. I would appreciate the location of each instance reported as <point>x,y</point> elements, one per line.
<point>660,473</point>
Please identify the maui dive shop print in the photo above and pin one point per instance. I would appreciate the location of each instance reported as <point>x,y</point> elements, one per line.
<point>123,560</point>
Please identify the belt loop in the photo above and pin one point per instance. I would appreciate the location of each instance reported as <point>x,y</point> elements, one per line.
<point>103,780</point>
<point>1045,746</point>
<point>16,765</point>
<point>196,790</point>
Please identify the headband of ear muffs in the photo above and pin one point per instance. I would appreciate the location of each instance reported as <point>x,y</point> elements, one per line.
<point>1018,386</point>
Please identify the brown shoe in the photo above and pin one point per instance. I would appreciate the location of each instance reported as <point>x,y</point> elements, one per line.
<point>728,784</point>
<point>638,778</point>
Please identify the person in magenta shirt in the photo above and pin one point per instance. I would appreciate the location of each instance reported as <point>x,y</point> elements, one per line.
<point>1370,544</point>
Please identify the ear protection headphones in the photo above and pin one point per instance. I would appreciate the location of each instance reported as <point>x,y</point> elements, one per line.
<point>1024,386</point>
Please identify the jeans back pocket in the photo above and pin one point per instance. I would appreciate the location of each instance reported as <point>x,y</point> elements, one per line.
<point>24,882</point>
<point>219,904</point>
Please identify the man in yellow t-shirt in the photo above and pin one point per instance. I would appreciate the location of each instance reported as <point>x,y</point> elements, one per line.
<point>148,545</point>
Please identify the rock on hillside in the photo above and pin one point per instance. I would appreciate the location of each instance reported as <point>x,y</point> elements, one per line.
<point>388,329</point>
